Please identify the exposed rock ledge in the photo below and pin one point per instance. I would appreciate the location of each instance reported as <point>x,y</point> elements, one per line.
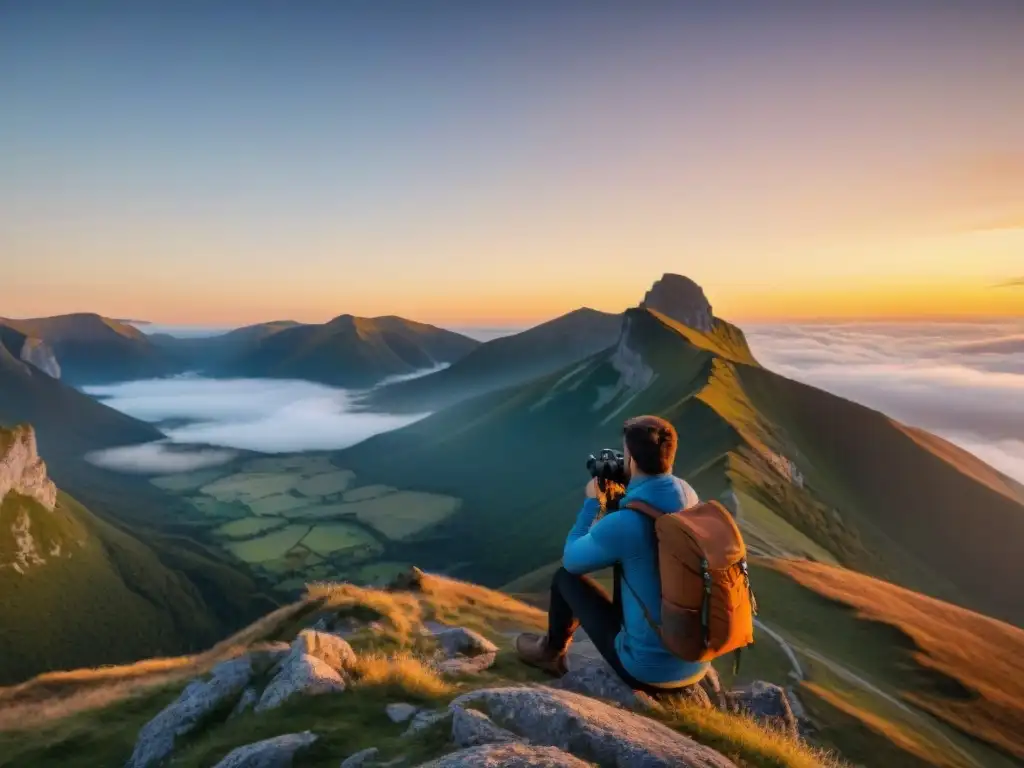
<point>38,353</point>
<point>21,469</point>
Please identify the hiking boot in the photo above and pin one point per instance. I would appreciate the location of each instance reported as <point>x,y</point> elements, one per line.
<point>533,650</point>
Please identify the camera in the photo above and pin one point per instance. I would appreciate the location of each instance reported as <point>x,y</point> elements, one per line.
<point>608,465</point>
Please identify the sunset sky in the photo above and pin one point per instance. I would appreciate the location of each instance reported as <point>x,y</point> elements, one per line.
<point>475,163</point>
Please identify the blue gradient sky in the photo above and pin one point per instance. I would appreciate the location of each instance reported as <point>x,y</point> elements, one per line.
<point>484,163</point>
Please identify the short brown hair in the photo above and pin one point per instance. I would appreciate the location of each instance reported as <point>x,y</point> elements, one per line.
<point>651,441</point>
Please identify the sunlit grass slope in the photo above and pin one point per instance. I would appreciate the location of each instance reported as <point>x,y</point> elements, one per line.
<point>960,666</point>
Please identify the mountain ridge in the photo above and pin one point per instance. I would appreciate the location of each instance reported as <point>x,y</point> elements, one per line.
<point>502,362</point>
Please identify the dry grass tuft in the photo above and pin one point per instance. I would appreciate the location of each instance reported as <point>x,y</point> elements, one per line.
<point>984,656</point>
<point>400,610</point>
<point>452,601</point>
<point>56,695</point>
<point>401,671</point>
<point>744,740</point>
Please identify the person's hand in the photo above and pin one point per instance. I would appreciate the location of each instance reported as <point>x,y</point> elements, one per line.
<point>592,489</point>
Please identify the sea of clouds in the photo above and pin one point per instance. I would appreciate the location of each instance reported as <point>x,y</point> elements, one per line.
<point>268,415</point>
<point>963,381</point>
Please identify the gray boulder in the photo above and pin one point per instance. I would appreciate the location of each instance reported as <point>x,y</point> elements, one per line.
<point>455,641</point>
<point>767,703</point>
<point>305,675</point>
<point>400,712</point>
<point>361,759</point>
<point>467,665</point>
<point>594,677</point>
<point>592,730</point>
<point>330,649</point>
<point>508,756</point>
<point>472,729</point>
<point>277,752</point>
<point>199,699</point>
<point>424,719</point>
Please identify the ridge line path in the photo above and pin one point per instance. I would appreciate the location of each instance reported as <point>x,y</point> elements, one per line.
<point>853,677</point>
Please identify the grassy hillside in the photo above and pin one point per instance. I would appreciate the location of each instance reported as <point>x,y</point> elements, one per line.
<point>847,480</point>
<point>931,517</point>
<point>92,349</point>
<point>348,351</point>
<point>78,591</point>
<point>504,362</point>
<point>961,668</point>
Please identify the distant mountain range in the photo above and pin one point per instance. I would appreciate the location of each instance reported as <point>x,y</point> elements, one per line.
<point>348,351</point>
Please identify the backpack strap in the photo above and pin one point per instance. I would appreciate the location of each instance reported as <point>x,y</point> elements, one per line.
<point>654,513</point>
<point>644,509</point>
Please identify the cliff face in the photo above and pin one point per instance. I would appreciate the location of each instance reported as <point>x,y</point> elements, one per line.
<point>21,469</point>
<point>38,353</point>
<point>682,300</point>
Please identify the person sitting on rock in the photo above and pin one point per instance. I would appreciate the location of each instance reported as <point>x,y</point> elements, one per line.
<point>625,540</point>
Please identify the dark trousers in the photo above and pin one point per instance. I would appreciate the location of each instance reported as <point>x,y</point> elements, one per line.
<point>580,601</point>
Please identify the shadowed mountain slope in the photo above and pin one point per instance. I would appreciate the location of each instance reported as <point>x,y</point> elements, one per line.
<point>348,351</point>
<point>504,362</point>
<point>67,422</point>
<point>92,349</point>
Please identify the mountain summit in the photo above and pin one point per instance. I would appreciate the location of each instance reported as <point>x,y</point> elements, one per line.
<point>681,299</point>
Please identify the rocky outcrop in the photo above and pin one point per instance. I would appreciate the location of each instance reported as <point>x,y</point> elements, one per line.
<point>465,652</point>
<point>302,675</point>
<point>278,752</point>
<point>314,665</point>
<point>473,729</point>
<point>38,353</point>
<point>331,649</point>
<point>681,299</point>
<point>508,756</point>
<point>767,703</point>
<point>21,469</point>
<point>458,640</point>
<point>590,729</point>
<point>201,698</point>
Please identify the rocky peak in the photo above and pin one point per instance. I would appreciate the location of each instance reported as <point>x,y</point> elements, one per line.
<point>21,469</point>
<point>681,299</point>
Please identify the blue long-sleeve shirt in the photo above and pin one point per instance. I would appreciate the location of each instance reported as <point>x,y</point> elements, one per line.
<point>627,537</point>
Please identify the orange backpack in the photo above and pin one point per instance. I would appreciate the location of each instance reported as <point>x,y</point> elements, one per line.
<point>707,605</point>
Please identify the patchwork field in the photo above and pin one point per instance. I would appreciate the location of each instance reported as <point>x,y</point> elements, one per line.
<point>296,519</point>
